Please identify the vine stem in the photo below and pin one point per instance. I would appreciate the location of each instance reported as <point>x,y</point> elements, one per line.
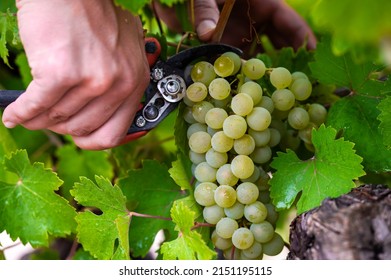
<point>222,22</point>
<point>135,214</point>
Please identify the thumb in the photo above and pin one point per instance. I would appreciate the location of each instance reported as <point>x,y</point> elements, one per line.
<point>206,16</point>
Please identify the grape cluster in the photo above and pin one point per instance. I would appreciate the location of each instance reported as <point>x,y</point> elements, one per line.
<point>234,127</point>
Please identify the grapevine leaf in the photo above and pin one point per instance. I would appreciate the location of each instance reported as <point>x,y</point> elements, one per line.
<point>30,208</point>
<point>133,6</point>
<point>73,163</point>
<point>7,145</point>
<point>24,68</point>
<point>330,173</point>
<point>344,71</point>
<point>3,39</point>
<point>357,117</point>
<point>8,24</point>
<point>181,172</point>
<point>150,191</point>
<point>99,233</point>
<point>171,2</point>
<point>385,120</point>
<point>189,245</point>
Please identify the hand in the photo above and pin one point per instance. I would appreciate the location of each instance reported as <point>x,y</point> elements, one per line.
<point>89,70</point>
<point>271,17</point>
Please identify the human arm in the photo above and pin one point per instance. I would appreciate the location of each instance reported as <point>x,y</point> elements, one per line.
<point>89,70</point>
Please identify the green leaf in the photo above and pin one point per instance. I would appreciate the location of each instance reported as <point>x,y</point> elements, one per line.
<point>133,6</point>
<point>151,191</point>
<point>73,163</point>
<point>8,24</point>
<point>30,208</point>
<point>7,146</point>
<point>357,117</point>
<point>330,173</point>
<point>344,71</point>
<point>104,235</point>
<point>24,68</point>
<point>385,120</point>
<point>181,172</point>
<point>189,245</point>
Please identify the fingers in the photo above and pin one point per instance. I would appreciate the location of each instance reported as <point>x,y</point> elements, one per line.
<point>111,133</point>
<point>206,17</point>
<point>289,29</point>
<point>37,99</point>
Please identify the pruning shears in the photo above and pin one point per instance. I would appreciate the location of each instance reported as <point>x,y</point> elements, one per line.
<point>168,82</point>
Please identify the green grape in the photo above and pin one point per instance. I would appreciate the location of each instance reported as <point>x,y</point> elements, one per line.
<point>254,68</point>
<point>267,103</point>
<point>306,134</point>
<point>224,66</point>
<point>236,59</point>
<point>200,142</point>
<point>274,246</point>
<point>254,251</point>
<point>298,75</point>
<point>225,196</point>
<point>259,119</point>
<point>195,127</point>
<point>200,109</point>
<point>188,116</point>
<point>242,104</point>
<point>216,159</point>
<point>290,141</point>
<point>283,99</point>
<point>253,89</point>
<point>219,88</point>
<point>255,212</point>
<point>275,137</point>
<point>235,212</point>
<point>224,175</point>
<point>221,142</point>
<point>280,115</point>
<point>203,72</point>
<point>245,145</point>
<point>317,113</point>
<point>247,193</point>
<point>261,138</point>
<point>254,177</point>
<point>310,147</point>
<point>215,117</point>
<point>204,194</point>
<point>264,196</point>
<point>301,88</point>
<point>222,103</point>
<point>242,166</point>
<point>211,131</point>
<point>187,101</point>
<point>232,253</point>
<point>234,126</point>
<point>196,92</point>
<point>196,158</point>
<point>212,214</point>
<point>263,232</point>
<point>242,238</point>
<point>221,243</point>
<point>298,118</point>
<point>272,214</point>
<point>226,227</point>
<point>205,173</point>
<point>280,77</point>
<point>261,155</point>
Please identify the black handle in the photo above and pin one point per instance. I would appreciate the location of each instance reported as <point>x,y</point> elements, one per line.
<point>8,96</point>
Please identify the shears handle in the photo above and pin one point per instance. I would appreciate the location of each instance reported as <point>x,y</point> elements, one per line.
<point>152,50</point>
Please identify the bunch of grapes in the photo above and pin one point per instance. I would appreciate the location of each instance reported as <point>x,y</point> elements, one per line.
<point>235,125</point>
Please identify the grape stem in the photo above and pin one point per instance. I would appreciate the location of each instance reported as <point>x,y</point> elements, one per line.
<point>222,22</point>
<point>135,214</point>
